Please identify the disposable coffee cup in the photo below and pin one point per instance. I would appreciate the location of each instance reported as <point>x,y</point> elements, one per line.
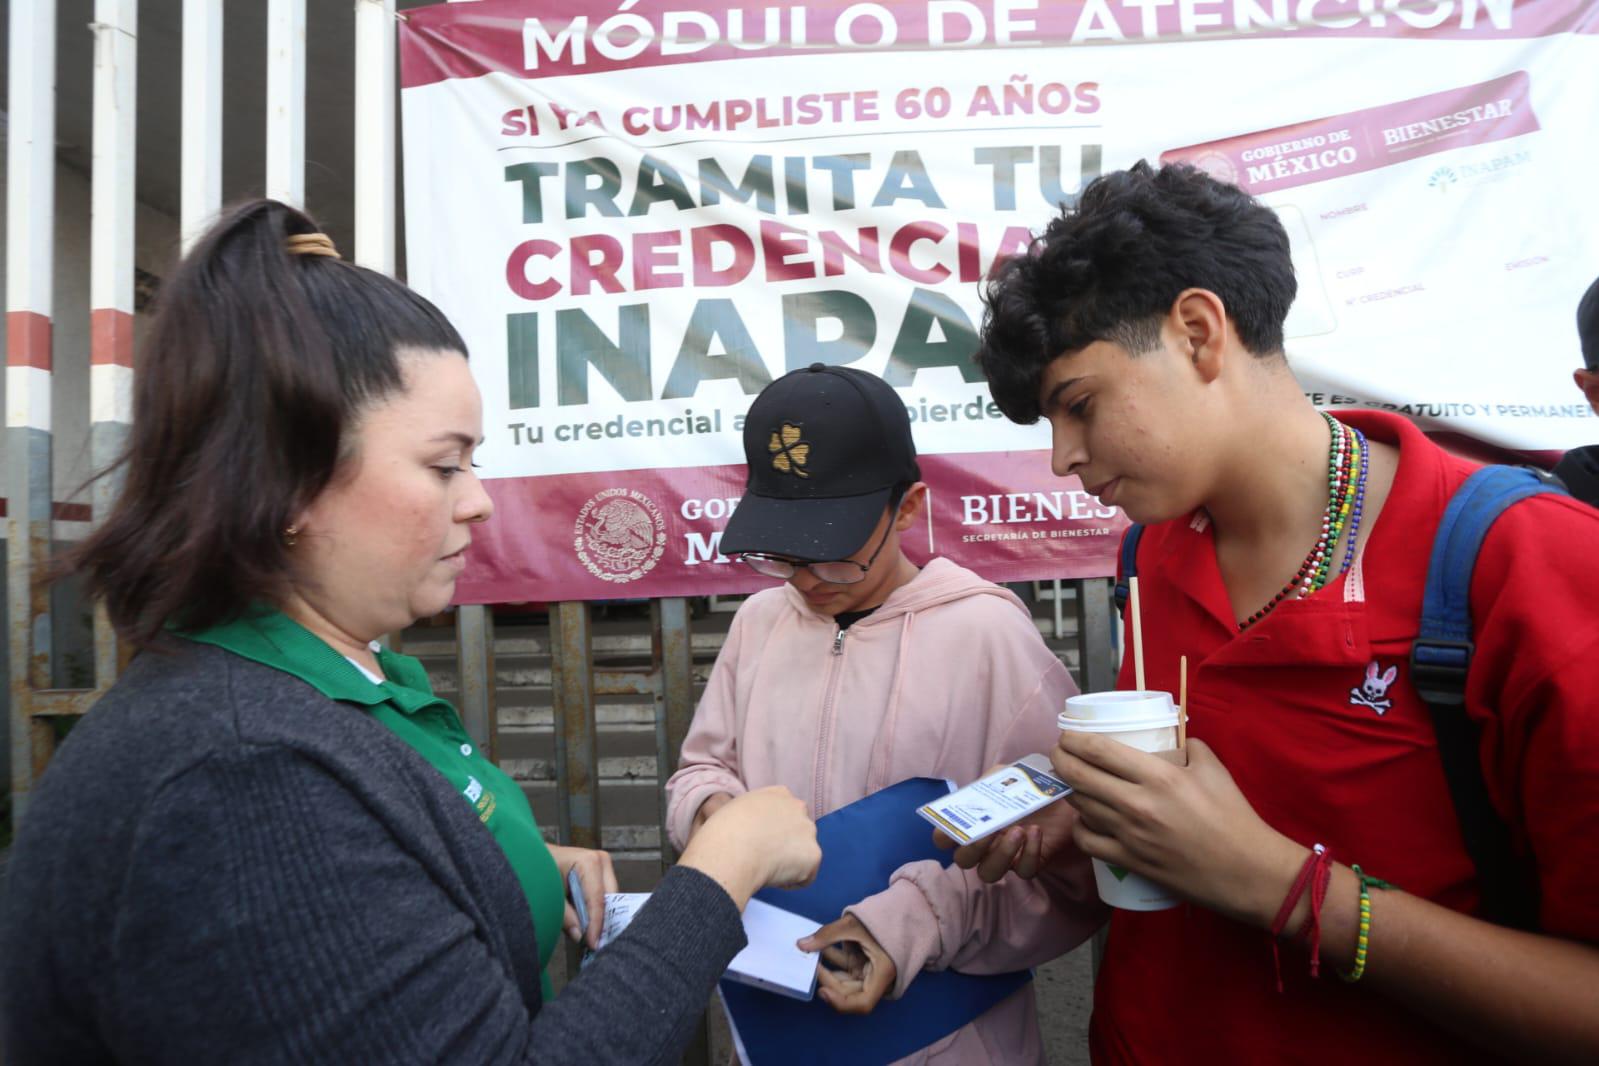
<point>1143,720</point>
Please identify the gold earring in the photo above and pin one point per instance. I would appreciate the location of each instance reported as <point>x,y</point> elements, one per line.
<point>291,534</point>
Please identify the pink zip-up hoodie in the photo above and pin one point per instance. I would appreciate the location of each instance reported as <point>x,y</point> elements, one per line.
<point>947,678</point>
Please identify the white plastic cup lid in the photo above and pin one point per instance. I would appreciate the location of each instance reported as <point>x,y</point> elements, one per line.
<point>1077,725</point>
<point>1100,712</point>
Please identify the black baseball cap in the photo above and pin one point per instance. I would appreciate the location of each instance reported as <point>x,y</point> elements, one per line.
<point>826,447</point>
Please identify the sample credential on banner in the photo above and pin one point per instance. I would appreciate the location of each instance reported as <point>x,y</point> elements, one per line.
<point>640,214</point>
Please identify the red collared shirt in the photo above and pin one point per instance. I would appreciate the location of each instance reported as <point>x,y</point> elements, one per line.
<point>1313,712</point>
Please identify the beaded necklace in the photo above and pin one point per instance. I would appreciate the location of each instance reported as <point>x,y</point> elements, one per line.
<point>1347,455</point>
<point>1362,465</point>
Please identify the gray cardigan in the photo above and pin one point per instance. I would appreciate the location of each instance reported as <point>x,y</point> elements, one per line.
<point>222,865</point>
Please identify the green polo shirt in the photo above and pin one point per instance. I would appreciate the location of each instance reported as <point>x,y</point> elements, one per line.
<point>404,701</point>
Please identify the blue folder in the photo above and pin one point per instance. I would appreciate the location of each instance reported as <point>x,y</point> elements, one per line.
<point>862,845</point>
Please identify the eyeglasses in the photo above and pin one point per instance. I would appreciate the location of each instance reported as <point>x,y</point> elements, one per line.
<point>833,572</point>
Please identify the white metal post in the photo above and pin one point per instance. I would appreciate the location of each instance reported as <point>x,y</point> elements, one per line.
<point>111,268</point>
<point>202,117</point>
<point>285,125</point>
<point>30,174</point>
<point>30,260</point>
<point>374,134</point>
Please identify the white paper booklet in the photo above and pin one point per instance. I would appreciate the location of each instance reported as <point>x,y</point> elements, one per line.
<point>769,961</point>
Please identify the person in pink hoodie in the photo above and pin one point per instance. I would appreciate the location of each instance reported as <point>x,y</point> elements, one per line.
<point>864,670</point>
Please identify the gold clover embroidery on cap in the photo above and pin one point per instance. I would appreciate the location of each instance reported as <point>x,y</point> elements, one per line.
<point>789,452</point>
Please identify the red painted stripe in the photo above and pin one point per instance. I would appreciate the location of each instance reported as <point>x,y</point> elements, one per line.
<point>61,512</point>
<point>27,339</point>
<point>110,338</point>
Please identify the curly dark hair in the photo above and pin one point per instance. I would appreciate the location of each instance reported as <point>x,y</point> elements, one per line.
<point>1588,326</point>
<point>1110,268</point>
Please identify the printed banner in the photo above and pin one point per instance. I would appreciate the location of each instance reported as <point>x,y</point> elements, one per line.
<point>639,214</point>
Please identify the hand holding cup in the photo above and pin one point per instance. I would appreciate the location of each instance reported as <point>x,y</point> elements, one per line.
<point>1188,829</point>
<point>1136,721</point>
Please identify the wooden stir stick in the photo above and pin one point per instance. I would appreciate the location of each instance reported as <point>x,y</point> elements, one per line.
<point>1182,705</point>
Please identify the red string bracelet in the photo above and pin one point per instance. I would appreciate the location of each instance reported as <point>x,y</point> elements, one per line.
<point>1318,855</point>
<point>1319,883</point>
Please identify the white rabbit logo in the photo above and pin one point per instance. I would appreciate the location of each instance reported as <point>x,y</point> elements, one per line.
<point>1373,692</point>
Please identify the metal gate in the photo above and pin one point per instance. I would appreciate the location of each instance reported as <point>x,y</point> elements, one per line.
<point>38,710</point>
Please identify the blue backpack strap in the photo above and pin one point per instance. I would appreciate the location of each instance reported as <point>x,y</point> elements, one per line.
<point>1440,657</point>
<point>1442,651</point>
<point>1129,564</point>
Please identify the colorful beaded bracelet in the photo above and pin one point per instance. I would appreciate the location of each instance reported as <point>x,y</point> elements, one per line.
<point>1363,943</point>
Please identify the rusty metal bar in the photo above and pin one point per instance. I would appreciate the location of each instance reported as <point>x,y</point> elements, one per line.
<point>1096,670</point>
<point>672,652</point>
<point>671,648</point>
<point>63,702</point>
<point>576,738</point>
<point>625,681</point>
<point>474,666</point>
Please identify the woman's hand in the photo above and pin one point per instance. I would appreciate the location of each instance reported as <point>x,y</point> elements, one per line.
<point>595,871</point>
<point>1187,827</point>
<point>855,972</point>
<point>761,838</point>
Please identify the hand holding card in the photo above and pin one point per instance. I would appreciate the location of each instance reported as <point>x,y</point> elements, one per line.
<point>996,800</point>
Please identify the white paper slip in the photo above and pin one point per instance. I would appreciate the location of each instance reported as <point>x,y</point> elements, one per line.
<point>996,800</point>
<point>770,960</point>
<point>619,910</point>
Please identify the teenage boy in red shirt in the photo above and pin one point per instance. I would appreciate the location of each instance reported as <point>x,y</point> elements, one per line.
<point>1285,555</point>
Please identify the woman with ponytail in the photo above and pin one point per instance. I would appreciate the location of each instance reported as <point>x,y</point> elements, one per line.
<point>270,842</point>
